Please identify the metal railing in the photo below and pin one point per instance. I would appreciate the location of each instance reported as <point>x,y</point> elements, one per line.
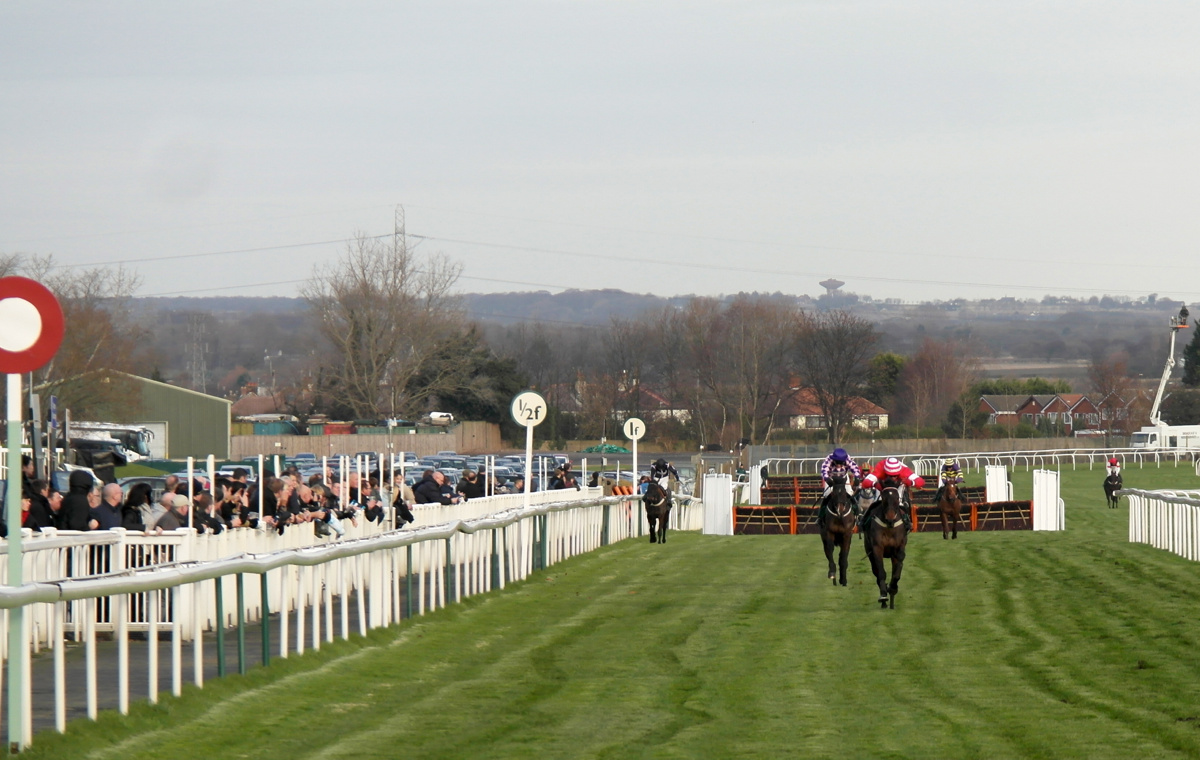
<point>392,576</point>
<point>927,465</point>
<point>1167,520</point>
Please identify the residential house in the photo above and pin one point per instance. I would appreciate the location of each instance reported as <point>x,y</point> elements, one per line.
<point>802,412</point>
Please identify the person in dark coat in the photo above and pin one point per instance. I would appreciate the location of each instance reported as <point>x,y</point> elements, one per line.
<point>40,515</point>
<point>74,512</point>
<point>429,490</point>
<point>471,487</point>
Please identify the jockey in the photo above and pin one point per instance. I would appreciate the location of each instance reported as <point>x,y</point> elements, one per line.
<point>661,470</point>
<point>891,468</point>
<point>839,463</point>
<point>950,474</point>
<point>1113,467</point>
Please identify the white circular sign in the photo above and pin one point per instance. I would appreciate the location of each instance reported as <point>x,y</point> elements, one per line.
<point>528,408</point>
<point>20,324</point>
<point>634,429</point>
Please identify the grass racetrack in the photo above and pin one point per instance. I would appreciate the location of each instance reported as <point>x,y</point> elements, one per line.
<point>1019,644</point>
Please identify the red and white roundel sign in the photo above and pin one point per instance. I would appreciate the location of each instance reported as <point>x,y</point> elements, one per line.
<point>31,325</point>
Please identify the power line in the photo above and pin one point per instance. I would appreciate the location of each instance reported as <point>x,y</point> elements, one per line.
<point>606,257</point>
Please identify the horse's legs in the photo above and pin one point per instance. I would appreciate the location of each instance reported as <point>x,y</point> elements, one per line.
<point>827,543</point>
<point>957,519</point>
<point>662,526</point>
<point>945,525</point>
<point>897,569</point>
<point>877,567</point>
<point>844,556</point>
<point>650,519</point>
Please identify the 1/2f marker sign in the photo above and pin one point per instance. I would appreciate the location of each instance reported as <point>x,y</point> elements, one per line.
<point>528,409</point>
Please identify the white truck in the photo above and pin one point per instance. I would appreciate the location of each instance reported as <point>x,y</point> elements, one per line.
<point>128,442</point>
<point>1158,434</point>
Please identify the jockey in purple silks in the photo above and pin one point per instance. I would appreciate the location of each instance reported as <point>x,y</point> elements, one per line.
<point>839,463</point>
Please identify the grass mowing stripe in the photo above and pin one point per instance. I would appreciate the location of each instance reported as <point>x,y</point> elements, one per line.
<point>1002,645</point>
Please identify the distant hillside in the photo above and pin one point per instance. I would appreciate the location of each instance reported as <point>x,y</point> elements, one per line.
<point>576,307</point>
<point>222,304</point>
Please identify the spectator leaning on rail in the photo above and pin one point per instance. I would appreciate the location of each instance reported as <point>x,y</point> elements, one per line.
<point>895,470</point>
<point>471,487</point>
<point>134,511</point>
<point>429,490</point>
<point>839,463</point>
<point>40,514</point>
<point>75,507</point>
<point>176,516</point>
<point>107,515</point>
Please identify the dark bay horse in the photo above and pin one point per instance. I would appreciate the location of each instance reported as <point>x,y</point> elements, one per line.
<point>837,528</point>
<point>950,505</point>
<point>1112,484</point>
<point>658,509</point>
<point>886,537</point>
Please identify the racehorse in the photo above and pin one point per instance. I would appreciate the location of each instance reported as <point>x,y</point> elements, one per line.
<point>1112,484</point>
<point>950,504</point>
<point>837,528</point>
<point>658,509</point>
<point>886,537</point>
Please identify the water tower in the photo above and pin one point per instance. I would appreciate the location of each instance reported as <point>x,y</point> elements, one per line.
<point>831,285</point>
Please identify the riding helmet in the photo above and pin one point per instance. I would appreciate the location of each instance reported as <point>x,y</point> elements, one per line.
<point>1113,461</point>
<point>951,462</point>
<point>840,455</point>
<point>892,466</point>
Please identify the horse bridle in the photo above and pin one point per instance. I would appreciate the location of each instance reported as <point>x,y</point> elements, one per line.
<point>899,507</point>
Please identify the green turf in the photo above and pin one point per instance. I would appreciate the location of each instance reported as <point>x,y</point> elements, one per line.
<point>1018,644</point>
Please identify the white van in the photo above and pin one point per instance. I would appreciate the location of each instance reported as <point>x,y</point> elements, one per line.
<point>441,418</point>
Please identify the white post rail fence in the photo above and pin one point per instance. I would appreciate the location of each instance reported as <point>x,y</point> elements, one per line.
<point>1167,520</point>
<point>927,465</point>
<point>387,577</point>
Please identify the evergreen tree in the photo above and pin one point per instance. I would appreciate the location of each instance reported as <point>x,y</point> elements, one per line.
<point>1191,360</point>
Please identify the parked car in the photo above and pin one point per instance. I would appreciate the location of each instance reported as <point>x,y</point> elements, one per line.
<point>157,485</point>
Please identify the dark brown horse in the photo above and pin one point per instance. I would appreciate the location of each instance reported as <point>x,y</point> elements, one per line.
<point>1112,484</point>
<point>837,528</point>
<point>886,537</point>
<point>658,509</point>
<point>950,504</point>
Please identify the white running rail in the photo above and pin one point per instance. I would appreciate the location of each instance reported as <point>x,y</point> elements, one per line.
<point>391,576</point>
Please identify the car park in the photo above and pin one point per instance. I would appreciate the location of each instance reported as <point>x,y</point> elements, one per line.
<point>158,485</point>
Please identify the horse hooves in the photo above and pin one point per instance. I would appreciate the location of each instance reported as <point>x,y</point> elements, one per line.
<point>954,536</point>
<point>944,537</point>
<point>653,540</point>
<point>892,604</point>
<point>843,581</point>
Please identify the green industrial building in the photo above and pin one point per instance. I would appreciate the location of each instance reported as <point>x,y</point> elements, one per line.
<point>186,423</point>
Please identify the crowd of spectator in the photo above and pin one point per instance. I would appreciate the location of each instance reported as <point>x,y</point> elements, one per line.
<point>236,502</point>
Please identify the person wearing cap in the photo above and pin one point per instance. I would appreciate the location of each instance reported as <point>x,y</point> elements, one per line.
<point>839,463</point>
<point>891,469</point>
<point>951,473</point>
<point>176,516</point>
<point>661,470</point>
<point>1113,467</point>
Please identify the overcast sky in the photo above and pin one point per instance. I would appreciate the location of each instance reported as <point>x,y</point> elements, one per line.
<point>915,149</point>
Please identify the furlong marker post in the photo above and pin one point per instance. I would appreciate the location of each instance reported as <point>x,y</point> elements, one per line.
<point>31,330</point>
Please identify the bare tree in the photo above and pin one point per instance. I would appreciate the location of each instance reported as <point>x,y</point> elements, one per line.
<point>384,310</point>
<point>1109,379</point>
<point>101,334</point>
<point>935,378</point>
<point>833,355</point>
